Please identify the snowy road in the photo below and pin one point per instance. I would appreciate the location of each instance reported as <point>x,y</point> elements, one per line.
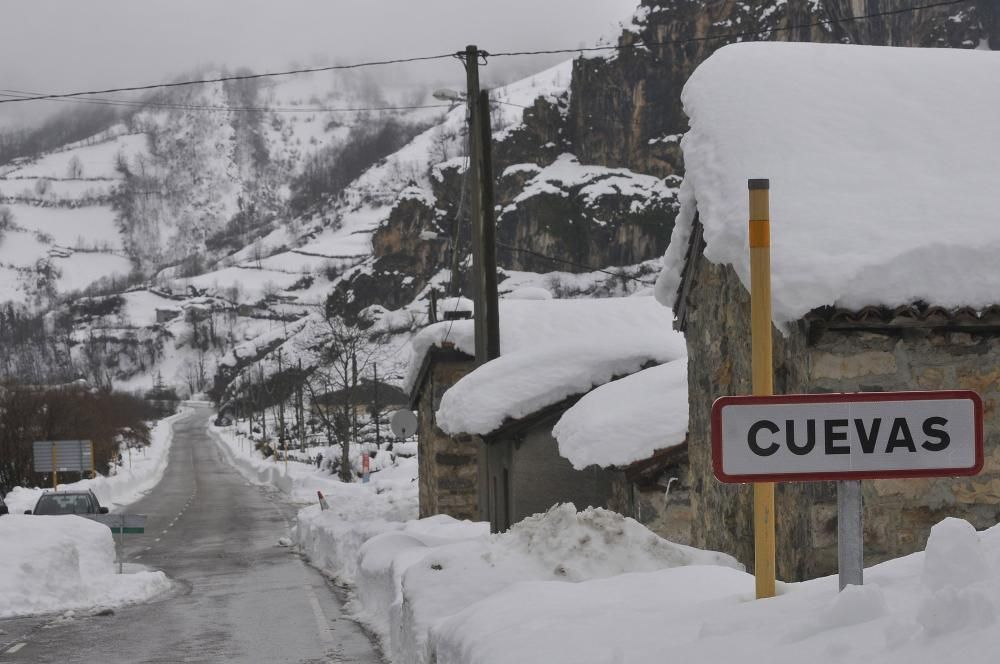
<point>240,597</point>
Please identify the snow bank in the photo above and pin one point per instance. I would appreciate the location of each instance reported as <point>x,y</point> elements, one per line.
<point>926,608</point>
<point>875,198</point>
<point>59,563</point>
<point>408,577</point>
<point>549,350</point>
<point>126,486</point>
<point>627,419</point>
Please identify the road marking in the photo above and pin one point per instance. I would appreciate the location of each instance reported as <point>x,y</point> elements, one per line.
<point>157,539</point>
<point>137,557</point>
<point>13,649</point>
<point>321,622</point>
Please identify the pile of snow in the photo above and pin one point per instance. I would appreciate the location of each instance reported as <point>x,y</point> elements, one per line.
<point>883,188</point>
<point>409,577</point>
<point>127,485</point>
<point>921,609</point>
<point>59,563</point>
<point>549,350</point>
<point>627,419</point>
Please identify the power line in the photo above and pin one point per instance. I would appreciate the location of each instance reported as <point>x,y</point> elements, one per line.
<point>499,54</point>
<point>731,35</point>
<point>16,95</point>
<point>235,77</point>
<point>583,266</point>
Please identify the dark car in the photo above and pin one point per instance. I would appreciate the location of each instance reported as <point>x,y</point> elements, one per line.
<point>3,507</point>
<point>68,502</point>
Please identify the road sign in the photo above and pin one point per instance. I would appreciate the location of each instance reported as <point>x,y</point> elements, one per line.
<point>132,524</point>
<point>63,455</point>
<point>870,435</point>
<point>121,525</point>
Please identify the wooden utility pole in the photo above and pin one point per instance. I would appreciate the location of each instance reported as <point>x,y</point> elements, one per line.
<point>378,436</point>
<point>484,269</point>
<point>763,374</point>
<point>300,424</point>
<point>282,439</point>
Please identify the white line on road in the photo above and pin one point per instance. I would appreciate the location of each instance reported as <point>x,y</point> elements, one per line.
<point>157,539</point>
<point>321,622</point>
<point>14,648</point>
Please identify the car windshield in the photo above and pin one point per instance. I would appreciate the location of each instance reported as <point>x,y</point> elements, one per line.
<point>63,504</point>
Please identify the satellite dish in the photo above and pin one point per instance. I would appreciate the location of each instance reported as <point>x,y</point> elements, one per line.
<point>404,424</point>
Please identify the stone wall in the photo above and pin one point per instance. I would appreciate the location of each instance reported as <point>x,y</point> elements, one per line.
<point>898,513</point>
<point>448,466</point>
<point>666,513</point>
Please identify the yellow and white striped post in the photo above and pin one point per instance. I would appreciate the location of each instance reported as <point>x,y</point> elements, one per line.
<point>763,374</point>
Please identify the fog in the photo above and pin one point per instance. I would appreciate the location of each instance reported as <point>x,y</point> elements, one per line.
<point>68,45</point>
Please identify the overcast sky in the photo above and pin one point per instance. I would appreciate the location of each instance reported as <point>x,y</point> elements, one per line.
<point>68,45</point>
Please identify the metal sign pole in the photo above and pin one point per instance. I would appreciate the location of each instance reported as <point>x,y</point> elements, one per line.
<point>850,534</point>
<point>121,546</point>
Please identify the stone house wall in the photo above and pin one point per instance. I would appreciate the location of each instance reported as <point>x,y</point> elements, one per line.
<point>666,513</point>
<point>448,465</point>
<point>531,476</point>
<point>808,358</point>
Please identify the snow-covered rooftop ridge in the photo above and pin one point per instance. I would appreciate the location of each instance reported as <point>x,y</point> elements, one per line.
<point>554,349</point>
<point>883,174</point>
<point>627,420</point>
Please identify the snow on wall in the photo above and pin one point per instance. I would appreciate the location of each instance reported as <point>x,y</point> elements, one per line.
<point>627,419</point>
<point>550,350</point>
<point>883,180</point>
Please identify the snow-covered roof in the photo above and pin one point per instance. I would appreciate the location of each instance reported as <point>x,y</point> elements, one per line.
<point>551,350</point>
<point>883,165</point>
<point>627,419</point>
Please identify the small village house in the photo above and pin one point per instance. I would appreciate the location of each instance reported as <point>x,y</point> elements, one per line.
<point>552,353</point>
<point>885,233</point>
<point>448,465</point>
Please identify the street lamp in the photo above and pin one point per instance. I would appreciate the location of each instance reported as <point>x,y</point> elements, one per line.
<point>447,94</point>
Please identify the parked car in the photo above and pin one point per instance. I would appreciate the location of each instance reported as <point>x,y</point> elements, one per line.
<point>3,507</point>
<point>68,502</point>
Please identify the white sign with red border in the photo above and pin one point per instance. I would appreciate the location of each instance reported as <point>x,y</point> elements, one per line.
<point>869,435</point>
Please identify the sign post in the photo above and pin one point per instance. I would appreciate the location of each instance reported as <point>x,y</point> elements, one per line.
<point>847,437</point>
<point>850,534</point>
<point>763,374</point>
<point>120,524</point>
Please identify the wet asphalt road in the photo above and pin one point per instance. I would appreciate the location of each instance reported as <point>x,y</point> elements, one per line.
<point>239,597</point>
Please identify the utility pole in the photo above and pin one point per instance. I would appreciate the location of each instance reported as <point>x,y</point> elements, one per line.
<point>282,440</point>
<point>484,270</point>
<point>378,437</point>
<point>300,411</point>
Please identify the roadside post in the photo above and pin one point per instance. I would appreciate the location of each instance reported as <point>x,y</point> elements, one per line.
<point>763,374</point>
<point>121,524</point>
<point>847,437</point>
<point>365,467</point>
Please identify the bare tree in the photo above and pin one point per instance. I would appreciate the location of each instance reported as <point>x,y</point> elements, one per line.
<point>348,355</point>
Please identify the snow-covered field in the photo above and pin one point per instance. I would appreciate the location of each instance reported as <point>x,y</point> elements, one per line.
<point>61,563</point>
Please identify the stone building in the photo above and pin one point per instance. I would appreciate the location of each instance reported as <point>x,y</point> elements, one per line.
<point>884,240</point>
<point>448,466</point>
<point>553,353</point>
